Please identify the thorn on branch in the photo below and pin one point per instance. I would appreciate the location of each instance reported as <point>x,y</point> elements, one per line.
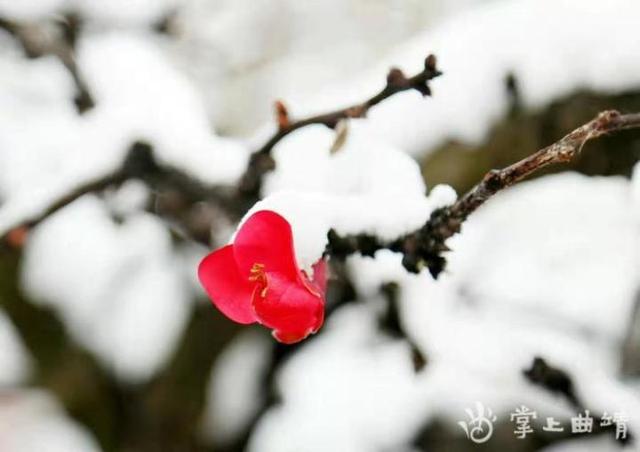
<point>342,131</point>
<point>282,115</point>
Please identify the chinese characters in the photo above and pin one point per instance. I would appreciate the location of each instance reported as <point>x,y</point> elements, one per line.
<point>479,427</point>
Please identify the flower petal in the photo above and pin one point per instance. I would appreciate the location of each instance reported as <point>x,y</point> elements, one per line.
<point>266,239</point>
<point>290,309</point>
<point>229,291</point>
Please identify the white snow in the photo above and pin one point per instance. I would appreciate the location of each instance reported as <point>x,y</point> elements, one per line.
<point>603,444</point>
<point>312,215</point>
<point>30,9</point>
<point>15,363</point>
<point>349,390</point>
<point>118,287</point>
<point>139,95</point>
<point>244,54</point>
<point>361,165</point>
<point>635,188</point>
<point>117,13</point>
<point>553,47</point>
<point>364,187</point>
<point>128,13</point>
<point>32,421</point>
<point>129,198</point>
<point>547,269</point>
<point>235,390</point>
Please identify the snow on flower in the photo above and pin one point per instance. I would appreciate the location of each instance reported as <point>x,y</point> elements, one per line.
<point>257,279</point>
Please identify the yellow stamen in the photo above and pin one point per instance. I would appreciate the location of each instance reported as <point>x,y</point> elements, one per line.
<point>259,276</point>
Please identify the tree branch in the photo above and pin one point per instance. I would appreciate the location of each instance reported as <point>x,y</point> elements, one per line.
<point>560,152</point>
<point>423,248</point>
<point>141,164</point>
<point>36,42</point>
<point>261,161</point>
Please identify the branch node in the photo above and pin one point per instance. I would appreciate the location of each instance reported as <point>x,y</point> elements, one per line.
<point>17,237</point>
<point>140,161</point>
<point>430,63</point>
<point>396,78</point>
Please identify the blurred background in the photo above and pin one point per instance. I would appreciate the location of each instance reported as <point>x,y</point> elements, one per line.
<point>107,342</point>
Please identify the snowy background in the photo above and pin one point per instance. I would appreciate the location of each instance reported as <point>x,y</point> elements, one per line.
<point>107,342</point>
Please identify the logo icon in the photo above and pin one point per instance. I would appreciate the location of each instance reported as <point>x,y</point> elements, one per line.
<point>479,428</point>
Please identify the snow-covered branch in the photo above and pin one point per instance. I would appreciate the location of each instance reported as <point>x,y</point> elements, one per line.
<point>141,164</point>
<point>424,248</point>
<point>36,41</point>
<point>261,161</point>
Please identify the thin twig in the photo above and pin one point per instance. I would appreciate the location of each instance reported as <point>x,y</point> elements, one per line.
<point>36,42</point>
<point>560,152</point>
<point>424,247</point>
<point>110,180</point>
<point>261,160</point>
<point>139,164</point>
